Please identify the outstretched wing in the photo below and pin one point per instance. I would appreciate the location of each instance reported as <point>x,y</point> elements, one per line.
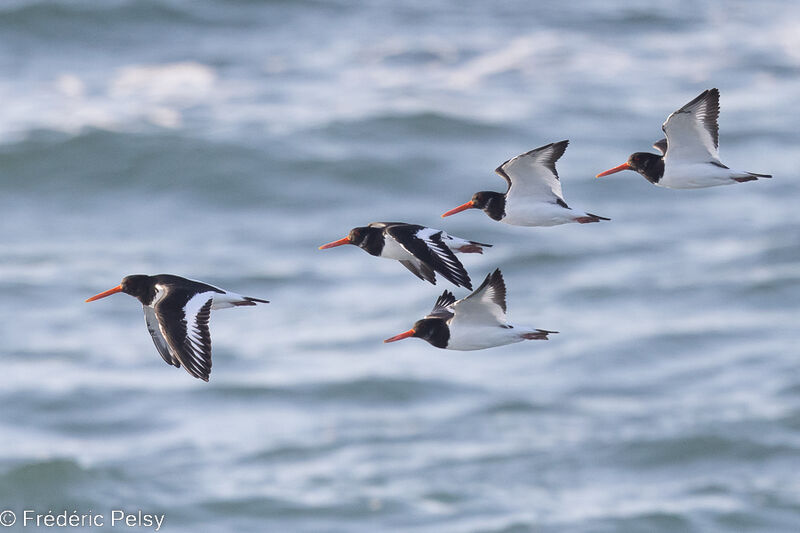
<point>420,269</point>
<point>692,131</point>
<point>443,308</point>
<point>158,339</point>
<point>427,246</point>
<point>661,146</point>
<point>183,322</point>
<point>533,174</point>
<point>485,306</point>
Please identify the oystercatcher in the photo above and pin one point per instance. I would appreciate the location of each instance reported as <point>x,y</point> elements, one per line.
<point>690,154</point>
<point>533,197</point>
<point>177,311</point>
<point>420,249</point>
<point>472,323</point>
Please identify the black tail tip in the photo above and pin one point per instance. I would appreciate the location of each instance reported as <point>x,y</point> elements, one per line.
<point>248,300</point>
<point>473,248</point>
<point>589,218</point>
<point>752,176</point>
<point>538,335</point>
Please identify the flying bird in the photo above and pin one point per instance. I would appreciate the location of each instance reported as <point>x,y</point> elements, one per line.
<point>422,250</point>
<point>690,153</point>
<point>177,311</point>
<point>533,197</point>
<point>472,323</point>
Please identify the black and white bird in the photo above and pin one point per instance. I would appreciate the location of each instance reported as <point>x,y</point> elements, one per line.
<point>533,197</point>
<point>422,250</point>
<point>690,153</point>
<point>472,323</point>
<point>177,311</point>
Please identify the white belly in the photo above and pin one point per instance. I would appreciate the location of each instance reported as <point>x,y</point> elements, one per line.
<point>469,337</point>
<point>392,250</point>
<point>521,213</point>
<point>695,176</point>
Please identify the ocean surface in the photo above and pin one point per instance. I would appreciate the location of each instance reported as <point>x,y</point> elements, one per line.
<point>226,140</point>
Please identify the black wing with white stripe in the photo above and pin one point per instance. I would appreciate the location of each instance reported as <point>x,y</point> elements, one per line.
<point>426,245</point>
<point>158,339</point>
<point>421,270</point>
<point>183,319</point>
<point>443,306</point>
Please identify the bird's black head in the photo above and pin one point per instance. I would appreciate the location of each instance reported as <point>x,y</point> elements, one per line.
<point>366,237</point>
<point>492,203</point>
<point>139,286</point>
<point>651,166</point>
<point>370,239</point>
<point>433,330</point>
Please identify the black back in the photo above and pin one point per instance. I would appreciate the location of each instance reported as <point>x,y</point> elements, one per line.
<point>493,203</point>
<point>143,287</point>
<point>434,254</point>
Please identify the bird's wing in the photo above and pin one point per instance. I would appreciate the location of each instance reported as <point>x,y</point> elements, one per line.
<point>485,306</point>
<point>420,269</point>
<point>692,131</point>
<point>661,146</point>
<point>158,339</point>
<point>443,308</point>
<point>183,321</point>
<point>427,246</point>
<point>533,174</point>
<point>383,225</point>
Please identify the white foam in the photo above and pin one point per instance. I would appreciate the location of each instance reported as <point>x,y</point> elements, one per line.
<point>487,75</point>
<point>177,83</point>
<point>135,96</point>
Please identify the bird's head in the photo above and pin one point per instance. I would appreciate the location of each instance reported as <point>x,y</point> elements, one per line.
<point>651,166</point>
<point>137,285</point>
<point>493,203</point>
<point>433,330</point>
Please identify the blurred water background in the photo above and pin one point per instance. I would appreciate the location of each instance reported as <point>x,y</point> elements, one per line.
<point>225,141</point>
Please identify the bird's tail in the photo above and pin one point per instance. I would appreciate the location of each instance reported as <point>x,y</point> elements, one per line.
<point>248,300</point>
<point>463,246</point>
<point>538,335</point>
<point>750,176</point>
<point>589,218</point>
<point>473,247</point>
<point>231,299</point>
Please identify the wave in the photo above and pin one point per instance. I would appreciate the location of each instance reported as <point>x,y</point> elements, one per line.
<point>370,390</point>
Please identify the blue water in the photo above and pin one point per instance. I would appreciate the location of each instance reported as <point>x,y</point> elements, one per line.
<point>225,141</point>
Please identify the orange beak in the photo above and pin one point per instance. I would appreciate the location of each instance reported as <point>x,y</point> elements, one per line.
<point>334,244</point>
<point>462,207</point>
<point>623,166</point>
<point>109,292</point>
<point>402,336</point>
